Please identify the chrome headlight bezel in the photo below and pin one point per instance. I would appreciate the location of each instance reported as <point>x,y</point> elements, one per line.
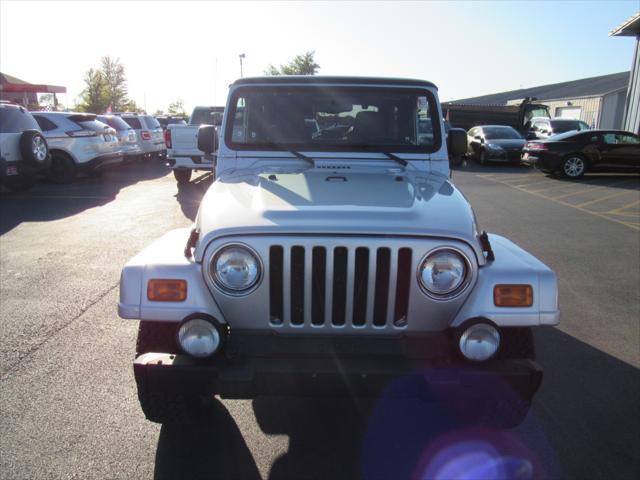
<point>460,288</point>
<point>200,320</point>
<point>468,329</point>
<point>226,289</point>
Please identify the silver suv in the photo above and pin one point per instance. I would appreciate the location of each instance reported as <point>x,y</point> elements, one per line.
<point>149,132</point>
<point>337,259</point>
<point>23,149</point>
<point>79,144</point>
<point>126,135</point>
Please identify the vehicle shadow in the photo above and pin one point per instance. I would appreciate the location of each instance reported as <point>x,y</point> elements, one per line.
<point>190,195</point>
<point>583,424</point>
<point>48,201</point>
<point>213,449</point>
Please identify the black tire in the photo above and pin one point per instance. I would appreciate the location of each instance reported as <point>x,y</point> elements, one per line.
<point>20,183</point>
<point>63,170</point>
<point>34,149</point>
<point>573,166</point>
<point>182,175</point>
<point>157,337</point>
<point>483,158</point>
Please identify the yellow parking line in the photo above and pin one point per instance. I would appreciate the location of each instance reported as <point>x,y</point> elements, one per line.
<point>594,188</point>
<point>545,180</point>
<point>633,225</point>
<point>606,197</point>
<point>624,207</point>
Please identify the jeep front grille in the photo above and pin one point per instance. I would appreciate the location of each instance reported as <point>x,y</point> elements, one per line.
<point>343,286</point>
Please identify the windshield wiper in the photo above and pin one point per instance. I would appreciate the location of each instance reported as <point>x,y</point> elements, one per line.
<point>303,157</point>
<point>401,161</point>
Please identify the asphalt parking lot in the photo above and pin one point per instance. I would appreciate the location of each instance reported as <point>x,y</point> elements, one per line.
<point>67,396</point>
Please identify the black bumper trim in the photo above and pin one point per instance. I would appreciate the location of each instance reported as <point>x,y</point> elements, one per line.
<point>251,377</point>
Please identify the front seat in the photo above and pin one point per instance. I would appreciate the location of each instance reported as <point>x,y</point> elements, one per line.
<point>368,126</point>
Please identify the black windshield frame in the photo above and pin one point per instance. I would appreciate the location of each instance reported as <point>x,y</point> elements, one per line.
<point>328,147</point>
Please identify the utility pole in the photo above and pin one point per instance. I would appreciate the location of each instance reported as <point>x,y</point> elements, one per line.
<point>241,57</point>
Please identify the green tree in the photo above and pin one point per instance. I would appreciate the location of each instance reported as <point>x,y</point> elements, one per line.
<point>300,65</point>
<point>116,83</point>
<point>177,108</point>
<point>94,96</point>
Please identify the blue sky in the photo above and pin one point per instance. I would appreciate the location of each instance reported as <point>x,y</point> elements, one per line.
<point>189,50</point>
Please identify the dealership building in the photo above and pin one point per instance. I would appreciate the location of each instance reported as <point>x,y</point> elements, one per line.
<point>598,101</point>
<point>631,118</point>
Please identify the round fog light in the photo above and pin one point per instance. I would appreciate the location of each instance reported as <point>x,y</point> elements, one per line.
<point>199,338</point>
<point>479,342</point>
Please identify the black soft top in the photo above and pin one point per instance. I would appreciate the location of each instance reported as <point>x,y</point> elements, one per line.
<point>319,80</point>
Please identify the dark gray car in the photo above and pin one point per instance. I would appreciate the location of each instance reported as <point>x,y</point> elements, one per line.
<point>495,143</point>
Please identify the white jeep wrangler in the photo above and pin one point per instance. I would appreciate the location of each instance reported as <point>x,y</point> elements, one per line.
<point>331,256</point>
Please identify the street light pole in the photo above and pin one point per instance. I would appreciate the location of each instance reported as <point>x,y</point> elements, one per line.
<point>241,57</point>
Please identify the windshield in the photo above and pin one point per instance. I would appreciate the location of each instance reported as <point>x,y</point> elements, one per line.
<point>334,118</point>
<point>496,133</point>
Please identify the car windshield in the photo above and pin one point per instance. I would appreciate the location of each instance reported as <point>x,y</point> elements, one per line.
<point>333,118</point>
<point>16,120</point>
<point>497,133</point>
<point>134,122</point>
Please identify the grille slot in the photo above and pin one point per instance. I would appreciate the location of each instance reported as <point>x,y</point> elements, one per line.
<point>339,286</point>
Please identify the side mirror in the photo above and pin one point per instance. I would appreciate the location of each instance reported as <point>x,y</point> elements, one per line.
<point>207,139</point>
<point>457,142</point>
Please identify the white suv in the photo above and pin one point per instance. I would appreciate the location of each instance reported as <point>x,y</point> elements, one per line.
<point>79,144</point>
<point>149,132</point>
<point>23,150</point>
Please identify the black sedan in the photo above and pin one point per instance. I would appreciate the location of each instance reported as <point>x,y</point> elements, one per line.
<point>495,142</point>
<point>572,154</point>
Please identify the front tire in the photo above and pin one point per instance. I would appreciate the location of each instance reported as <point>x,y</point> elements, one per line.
<point>182,175</point>
<point>573,166</point>
<point>483,158</point>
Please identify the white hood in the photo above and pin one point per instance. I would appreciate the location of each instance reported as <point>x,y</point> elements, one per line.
<point>342,202</point>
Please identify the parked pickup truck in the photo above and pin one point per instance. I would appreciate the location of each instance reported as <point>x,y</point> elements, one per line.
<point>332,255</point>
<point>183,155</point>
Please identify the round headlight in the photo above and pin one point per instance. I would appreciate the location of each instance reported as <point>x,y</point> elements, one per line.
<point>443,272</point>
<point>198,337</point>
<point>479,342</point>
<point>235,269</point>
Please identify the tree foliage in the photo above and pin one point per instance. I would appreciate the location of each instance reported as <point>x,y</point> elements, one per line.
<point>116,83</point>
<point>94,96</point>
<point>300,65</point>
<point>106,87</point>
<point>177,108</point>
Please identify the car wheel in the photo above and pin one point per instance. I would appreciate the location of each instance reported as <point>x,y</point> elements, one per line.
<point>19,183</point>
<point>183,175</point>
<point>63,170</point>
<point>34,149</point>
<point>573,166</point>
<point>484,158</point>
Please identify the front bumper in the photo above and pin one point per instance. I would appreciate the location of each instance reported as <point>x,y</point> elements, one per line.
<point>334,376</point>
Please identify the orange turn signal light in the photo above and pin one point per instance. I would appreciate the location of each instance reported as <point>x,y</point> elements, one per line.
<point>513,295</point>
<point>164,290</point>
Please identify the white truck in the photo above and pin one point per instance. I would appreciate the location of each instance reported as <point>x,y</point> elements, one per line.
<point>183,155</point>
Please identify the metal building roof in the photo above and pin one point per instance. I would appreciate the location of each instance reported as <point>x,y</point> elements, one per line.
<point>629,28</point>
